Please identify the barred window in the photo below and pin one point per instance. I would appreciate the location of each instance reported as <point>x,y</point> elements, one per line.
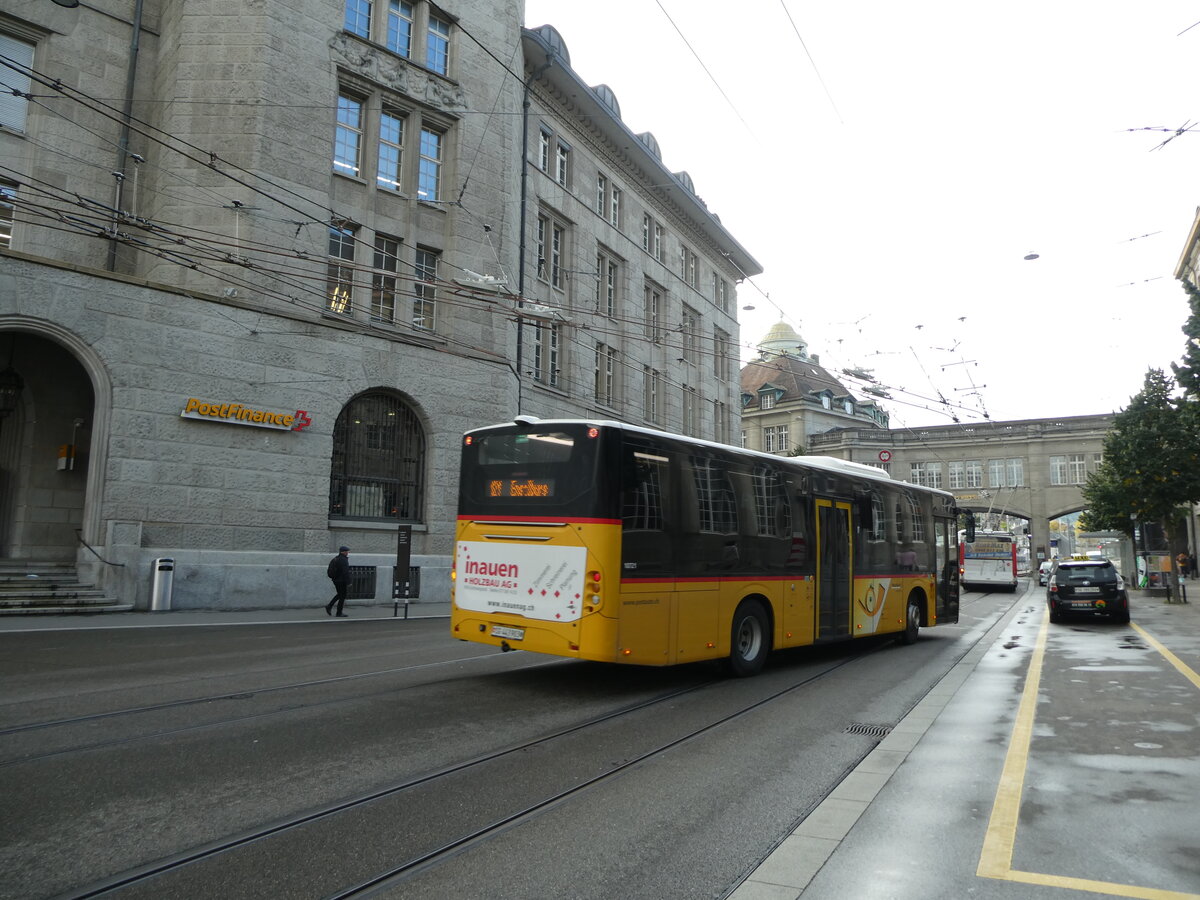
<point>378,464</point>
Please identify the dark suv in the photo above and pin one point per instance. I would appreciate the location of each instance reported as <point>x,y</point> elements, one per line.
<point>1087,587</point>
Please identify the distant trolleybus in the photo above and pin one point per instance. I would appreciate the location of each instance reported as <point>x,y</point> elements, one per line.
<point>604,541</point>
<point>989,561</point>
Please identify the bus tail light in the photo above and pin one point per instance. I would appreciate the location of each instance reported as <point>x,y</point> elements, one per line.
<point>592,589</point>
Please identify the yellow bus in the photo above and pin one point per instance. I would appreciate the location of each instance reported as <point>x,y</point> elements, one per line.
<point>605,541</point>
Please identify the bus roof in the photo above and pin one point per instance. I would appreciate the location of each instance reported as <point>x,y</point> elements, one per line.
<point>828,463</point>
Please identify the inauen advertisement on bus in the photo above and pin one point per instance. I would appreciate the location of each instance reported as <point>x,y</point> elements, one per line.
<point>538,582</point>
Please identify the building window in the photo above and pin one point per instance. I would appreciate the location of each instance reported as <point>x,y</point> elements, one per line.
<point>606,374</point>
<point>437,45</point>
<point>652,238</point>
<point>391,146</point>
<point>974,473</point>
<point>601,194</point>
<point>1016,472</point>
<point>766,400</point>
<point>721,422</point>
<point>690,421</point>
<point>928,474</point>
<point>340,271</point>
<point>14,108</point>
<point>378,465</point>
<point>1077,468</point>
<point>689,266</point>
<point>562,161</point>
<point>1058,470</point>
<point>347,144</point>
<point>614,208</point>
<point>653,311</point>
<point>650,391</point>
<point>545,142</point>
<point>722,354</point>
<point>425,290</point>
<point>608,285</point>
<point>957,470</point>
<point>995,473</point>
<point>385,263</point>
<point>358,17</point>
<point>399,27</point>
<point>826,401</point>
<point>551,245</point>
<point>545,354</point>
<point>720,293</point>
<point>8,199</point>
<point>429,171</point>
<point>690,334</point>
<point>775,439</point>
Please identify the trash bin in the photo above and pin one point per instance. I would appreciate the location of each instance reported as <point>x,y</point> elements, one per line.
<point>164,582</point>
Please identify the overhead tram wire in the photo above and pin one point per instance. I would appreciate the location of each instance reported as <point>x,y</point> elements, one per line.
<point>816,71</point>
<point>703,66</point>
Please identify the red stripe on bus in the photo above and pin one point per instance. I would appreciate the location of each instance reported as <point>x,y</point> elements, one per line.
<point>541,520</point>
<point>743,578</point>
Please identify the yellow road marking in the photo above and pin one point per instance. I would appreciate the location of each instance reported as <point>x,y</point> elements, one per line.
<point>1170,657</point>
<point>995,859</point>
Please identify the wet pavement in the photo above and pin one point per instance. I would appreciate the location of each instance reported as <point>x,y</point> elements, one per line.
<point>1052,761</point>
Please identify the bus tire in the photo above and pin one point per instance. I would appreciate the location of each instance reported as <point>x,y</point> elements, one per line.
<point>912,622</point>
<point>750,639</point>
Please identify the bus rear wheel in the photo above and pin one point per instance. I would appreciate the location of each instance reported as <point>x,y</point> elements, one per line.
<point>749,639</point>
<point>912,623</point>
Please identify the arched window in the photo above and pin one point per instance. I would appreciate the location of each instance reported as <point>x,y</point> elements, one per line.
<point>378,468</point>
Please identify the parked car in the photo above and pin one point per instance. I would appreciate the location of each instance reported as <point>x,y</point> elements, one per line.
<point>1044,572</point>
<point>1087,587</point>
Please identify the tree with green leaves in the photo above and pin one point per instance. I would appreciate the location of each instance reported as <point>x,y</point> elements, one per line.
<point>1151,462</point>
<point>1187,372</point>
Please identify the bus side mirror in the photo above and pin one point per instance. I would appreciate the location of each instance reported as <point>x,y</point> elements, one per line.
<point>970,529</point>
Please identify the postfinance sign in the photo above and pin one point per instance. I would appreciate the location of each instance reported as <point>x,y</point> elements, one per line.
<point>241,414</point>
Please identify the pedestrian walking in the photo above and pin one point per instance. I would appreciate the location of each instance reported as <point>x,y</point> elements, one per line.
<point>1182,559</point>
<point>339,573</point>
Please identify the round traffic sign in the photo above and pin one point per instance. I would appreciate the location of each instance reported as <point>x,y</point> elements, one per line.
<point>885,455</point>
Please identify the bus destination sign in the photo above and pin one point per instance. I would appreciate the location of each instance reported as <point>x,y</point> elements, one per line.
<point>529,487</point>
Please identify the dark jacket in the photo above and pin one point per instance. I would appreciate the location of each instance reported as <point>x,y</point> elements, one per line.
<point>339,569</point>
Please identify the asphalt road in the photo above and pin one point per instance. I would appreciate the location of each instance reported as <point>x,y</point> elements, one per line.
<point>366,747</point>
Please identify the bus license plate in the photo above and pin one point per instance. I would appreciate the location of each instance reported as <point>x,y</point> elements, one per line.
<point>504,631</point>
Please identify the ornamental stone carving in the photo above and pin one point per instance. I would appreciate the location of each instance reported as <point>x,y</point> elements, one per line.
<point>394,73</point>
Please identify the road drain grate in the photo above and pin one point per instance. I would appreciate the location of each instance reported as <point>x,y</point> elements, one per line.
<point>872,730</point>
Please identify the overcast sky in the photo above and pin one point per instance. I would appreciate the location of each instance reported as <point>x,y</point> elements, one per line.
<point>898,178</point>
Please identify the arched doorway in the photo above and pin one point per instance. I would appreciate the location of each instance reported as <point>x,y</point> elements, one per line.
<point>45,448</point>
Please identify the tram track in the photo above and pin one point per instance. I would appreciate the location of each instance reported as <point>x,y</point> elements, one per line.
<point>335,816</point>
<point>238,697</point>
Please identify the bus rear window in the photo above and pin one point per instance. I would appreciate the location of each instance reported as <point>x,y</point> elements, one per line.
<point>549,472</point>
<point>515,449</point>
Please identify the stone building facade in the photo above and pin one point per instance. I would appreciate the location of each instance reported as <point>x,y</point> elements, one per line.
<point>787,396</point>
<point>248,309</point>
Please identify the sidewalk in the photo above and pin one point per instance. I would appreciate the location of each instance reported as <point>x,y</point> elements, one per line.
<point>1049,757</point>
<point>197,617</point>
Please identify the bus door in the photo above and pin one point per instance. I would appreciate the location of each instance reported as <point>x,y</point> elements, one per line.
<point>945,561</point>
<point>833,569</point>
